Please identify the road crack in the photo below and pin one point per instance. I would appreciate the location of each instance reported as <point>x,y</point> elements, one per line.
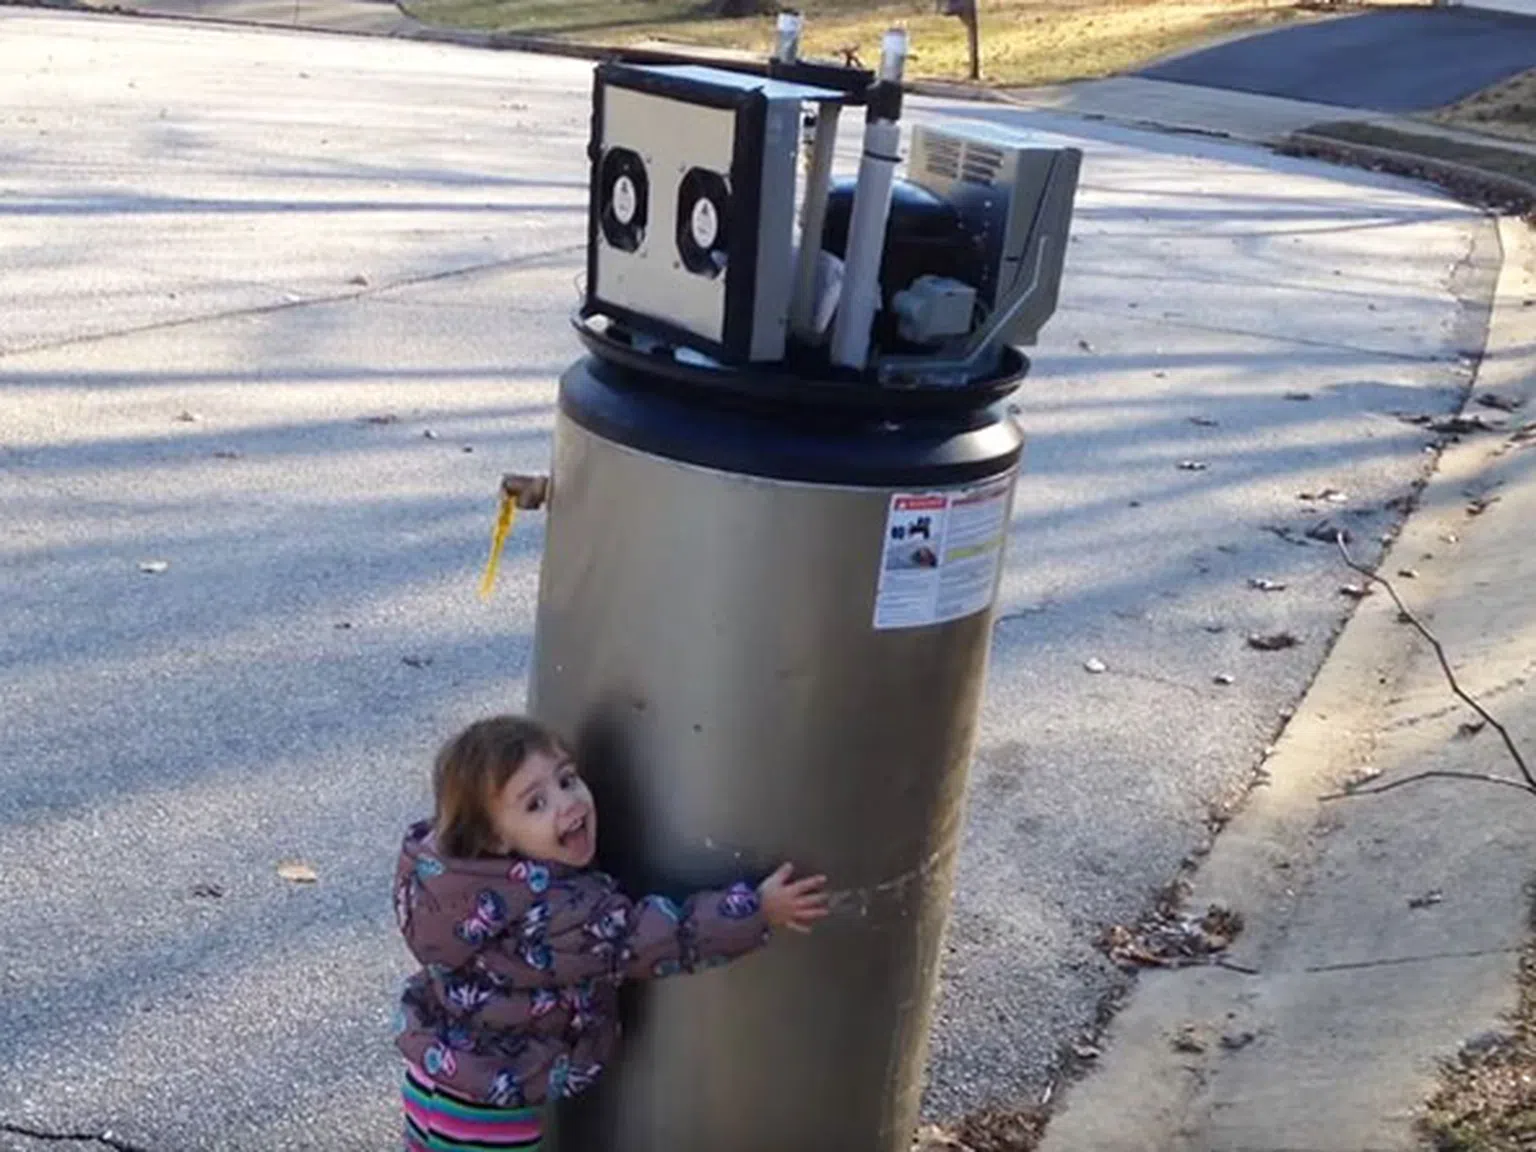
<point>528,260</point>
<point>48,1135</point>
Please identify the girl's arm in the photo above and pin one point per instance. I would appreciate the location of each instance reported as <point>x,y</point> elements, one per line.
<point>706,930</point>
<point>656,937</point>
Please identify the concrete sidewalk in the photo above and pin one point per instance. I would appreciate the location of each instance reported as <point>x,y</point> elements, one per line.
<point>1384,931</point>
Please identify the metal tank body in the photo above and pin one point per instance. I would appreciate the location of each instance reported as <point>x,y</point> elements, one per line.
<point>706,635</point>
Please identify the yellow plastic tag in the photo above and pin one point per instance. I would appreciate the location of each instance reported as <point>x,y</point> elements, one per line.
<point>505,514</point>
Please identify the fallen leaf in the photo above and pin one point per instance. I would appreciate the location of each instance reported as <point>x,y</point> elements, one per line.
<point>360,280</point>
<point>1408,573</point>
<point>1259,584</point>
<point>187,418</point>
<point>1471,728</point>
<point>1086,1052</point>
<point>935,1139</point>
<point>1428,900</point>
<point>342,625</point>
<point>416,661</point>
<point>1193,465</point>
<point>385,418</point>
<point>468,448</point>
<point>1329,532</point>
<point>207,891</point>
<point>1463,425</point>
<point>1237,1041</point>
<point>1272,641</point>
<point>1480,505</point>
<point>1355,591</point>
<point>429,435</point>
<point>1361,777</point>
<point>1204,422</point>
<point>1298,396</point>
<point>1223,680</point>
<point>1095,665</point>
<point>1085,346</point>
<point>1328,495</point>
<point>1287,534</point>
<point>1215,629</point>
<point>226,454</point>
<point>154,567</point>
<point>297,872</point>
<point>1188,1040</point>
<point>1499,403</point>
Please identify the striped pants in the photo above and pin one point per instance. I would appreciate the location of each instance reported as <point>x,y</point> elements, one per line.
<point>439,1121</point>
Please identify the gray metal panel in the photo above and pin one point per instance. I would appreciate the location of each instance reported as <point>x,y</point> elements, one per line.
<point>708,639</point>
<point>1043,255</point>
<point>776,231</point>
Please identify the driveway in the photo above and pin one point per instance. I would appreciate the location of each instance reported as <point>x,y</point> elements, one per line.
<point>1389,60</point>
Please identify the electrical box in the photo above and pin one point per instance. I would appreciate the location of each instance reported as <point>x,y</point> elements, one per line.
<point>1016,200</point>
<point>691,222</point>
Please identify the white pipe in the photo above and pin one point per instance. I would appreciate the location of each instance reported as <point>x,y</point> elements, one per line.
<point>866,226</point>
<point>787,50</point>
<point>893,55</point>
<point>813,219</point>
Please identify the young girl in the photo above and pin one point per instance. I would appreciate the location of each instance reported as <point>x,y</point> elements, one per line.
<point>522,944</point>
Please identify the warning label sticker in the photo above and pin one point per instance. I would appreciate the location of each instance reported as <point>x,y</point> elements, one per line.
<point>943,555</point>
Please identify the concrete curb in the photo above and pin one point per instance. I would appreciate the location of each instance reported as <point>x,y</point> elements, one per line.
<point>1466,182</point>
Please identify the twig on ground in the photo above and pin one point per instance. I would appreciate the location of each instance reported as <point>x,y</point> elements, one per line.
<point>1435,775</point>
<point>1529,785</point>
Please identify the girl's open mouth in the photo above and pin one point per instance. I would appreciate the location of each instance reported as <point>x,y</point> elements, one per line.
<point>577,837</point>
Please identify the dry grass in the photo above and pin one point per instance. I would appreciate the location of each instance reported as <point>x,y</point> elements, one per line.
<point>1507,109</point>
<point>1487,1101</point>
<point>1024,42</point>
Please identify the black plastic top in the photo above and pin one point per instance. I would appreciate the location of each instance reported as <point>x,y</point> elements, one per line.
<point>763,432</point>
<point>804,381</point>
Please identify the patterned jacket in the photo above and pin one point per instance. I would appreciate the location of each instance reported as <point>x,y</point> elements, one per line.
<point>515,1002</point>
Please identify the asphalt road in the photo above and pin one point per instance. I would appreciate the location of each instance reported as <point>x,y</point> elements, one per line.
<point>1391,60</point>
<point>247,274</point>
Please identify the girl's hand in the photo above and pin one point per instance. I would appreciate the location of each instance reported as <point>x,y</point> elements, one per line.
<point>790,903</point>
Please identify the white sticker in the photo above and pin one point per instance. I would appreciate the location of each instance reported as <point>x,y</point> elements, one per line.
<point>625,200</point>
<point>705,223</point>
<point>943,552</point>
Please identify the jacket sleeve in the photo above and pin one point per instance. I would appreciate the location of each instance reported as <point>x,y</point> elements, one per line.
<point>655,937</point>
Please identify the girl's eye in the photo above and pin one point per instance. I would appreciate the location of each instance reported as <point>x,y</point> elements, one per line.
<point>568,781</point>
<point>536,804</point>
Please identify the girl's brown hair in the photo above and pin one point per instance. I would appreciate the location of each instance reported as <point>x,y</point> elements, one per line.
<point>472,769</point>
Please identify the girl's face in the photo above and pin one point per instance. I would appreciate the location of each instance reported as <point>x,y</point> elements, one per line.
<point>546,813</point>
